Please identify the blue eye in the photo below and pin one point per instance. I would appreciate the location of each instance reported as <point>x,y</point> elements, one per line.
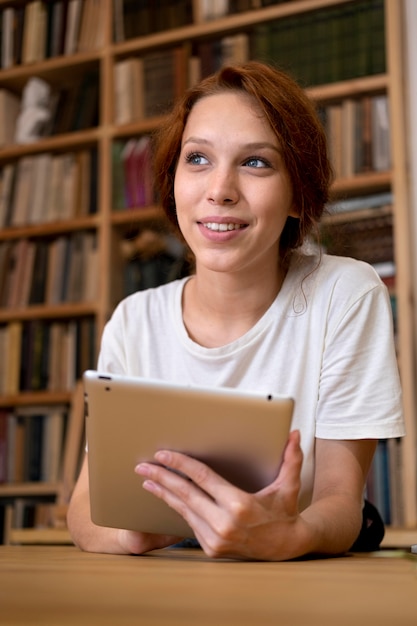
<point>256,162</point>
<point>196,159</point>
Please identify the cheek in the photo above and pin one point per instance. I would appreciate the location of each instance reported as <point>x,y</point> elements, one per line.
<point>186,193</point>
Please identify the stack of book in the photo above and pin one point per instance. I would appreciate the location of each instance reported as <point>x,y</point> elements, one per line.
<point>44,355</point>
<point>41,188</point>
<point>63,269</point>
<point>326,45</point>
<point>358,132</point>
<point>132,174</point>
<point>31,444</point>
<point>36,30</point>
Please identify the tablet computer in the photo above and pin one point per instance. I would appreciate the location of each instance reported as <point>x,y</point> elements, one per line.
<point>239,434</point>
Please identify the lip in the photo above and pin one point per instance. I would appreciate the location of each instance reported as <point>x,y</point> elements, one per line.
<point>224,235</point>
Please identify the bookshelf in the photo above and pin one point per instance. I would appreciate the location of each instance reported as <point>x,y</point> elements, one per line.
<point>104,57</point>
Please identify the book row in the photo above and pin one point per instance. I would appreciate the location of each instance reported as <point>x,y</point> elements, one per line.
<point>48,187</point>
<point>44,355</point>
<point>132,173</point>
<point>326,45</point>
<point>369,239</point>
<point>64,269</point>
<point>358,133</point>
<point>384,485</point>
<point>31,444</point>
<point>39,30</point>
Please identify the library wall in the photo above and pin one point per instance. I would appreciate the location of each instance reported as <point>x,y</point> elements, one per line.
<point>66,262</point>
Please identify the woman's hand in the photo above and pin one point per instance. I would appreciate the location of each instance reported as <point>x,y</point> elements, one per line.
<point>227,521</point>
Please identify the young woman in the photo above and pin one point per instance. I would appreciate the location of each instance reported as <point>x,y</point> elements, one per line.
<point>243,174</point>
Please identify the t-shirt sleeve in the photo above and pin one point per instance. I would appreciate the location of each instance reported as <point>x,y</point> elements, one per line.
<point>112,356</point>
<point>360,391</point>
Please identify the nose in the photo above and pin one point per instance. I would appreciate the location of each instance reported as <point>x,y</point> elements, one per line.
<point>222,187</point>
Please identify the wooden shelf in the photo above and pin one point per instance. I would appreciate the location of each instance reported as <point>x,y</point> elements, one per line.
<point>35,398</point>
<point>23,490</point>
<point>348,88</point>
<point>51,228</point>
<point>59,143</point>
<point>45,311</point>
<point>39,536</point>
<point>361,184</point>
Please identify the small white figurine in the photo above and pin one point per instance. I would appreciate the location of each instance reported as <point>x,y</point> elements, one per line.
<point>35,114</point>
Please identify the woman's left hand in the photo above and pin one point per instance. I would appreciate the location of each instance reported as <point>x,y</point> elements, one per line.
<point>227,521</point>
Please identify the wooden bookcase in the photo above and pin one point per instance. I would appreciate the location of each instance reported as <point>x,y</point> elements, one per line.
<point>110,226</point>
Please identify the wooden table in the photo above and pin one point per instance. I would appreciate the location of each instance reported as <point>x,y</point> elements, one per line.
<point>60,586</point>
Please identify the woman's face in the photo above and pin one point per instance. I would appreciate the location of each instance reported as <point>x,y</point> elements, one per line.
<point>232,190</point>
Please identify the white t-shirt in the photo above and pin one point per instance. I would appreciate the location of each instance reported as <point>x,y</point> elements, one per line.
<point>326,341</point>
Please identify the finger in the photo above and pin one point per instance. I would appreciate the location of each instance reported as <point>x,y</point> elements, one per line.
<point>180,493</point>
<point>198,472</point>
<point>288,480</point>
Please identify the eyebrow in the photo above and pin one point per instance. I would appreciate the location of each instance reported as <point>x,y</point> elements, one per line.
<point>253,145</point>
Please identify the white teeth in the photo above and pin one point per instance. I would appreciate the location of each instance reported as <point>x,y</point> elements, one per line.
<point>222,227</point>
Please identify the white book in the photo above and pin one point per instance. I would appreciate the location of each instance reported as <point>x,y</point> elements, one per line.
<point>381,141</point>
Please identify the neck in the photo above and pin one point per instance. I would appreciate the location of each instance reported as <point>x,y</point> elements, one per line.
<point>219,308</point>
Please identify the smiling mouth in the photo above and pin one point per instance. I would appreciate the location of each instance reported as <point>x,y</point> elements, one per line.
<point>223,227</point>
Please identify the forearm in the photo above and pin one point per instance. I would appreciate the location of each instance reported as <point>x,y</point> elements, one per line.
<point>87,535</point>
<point>331,524</point>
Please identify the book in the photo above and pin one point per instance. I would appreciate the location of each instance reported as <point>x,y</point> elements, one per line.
<point>68,186</point>
<point>54,196</point>
<point>72,31</point>
<point>6,193</point>
<point>58,27</point>
<point>20,254</point>
<point>8,272</point>
<point>84,175</point>
<point>91,267</point>
<point>4,417</point>
<point>26,276</point>
<point>53,439</point>
<point>76,270</point>
<point>16,447</point>
<point>57,254</point>
<point>12,356</point>
<point>129,90</point>
<point>9,111</point>
<point>33,447</point>
<point>381,140</point>
<point>6,248</point>
<point>55,357</point>
<point>7,37</point>
<point>42,174</point>
<point>39,275</point>
<point>22,196</point>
